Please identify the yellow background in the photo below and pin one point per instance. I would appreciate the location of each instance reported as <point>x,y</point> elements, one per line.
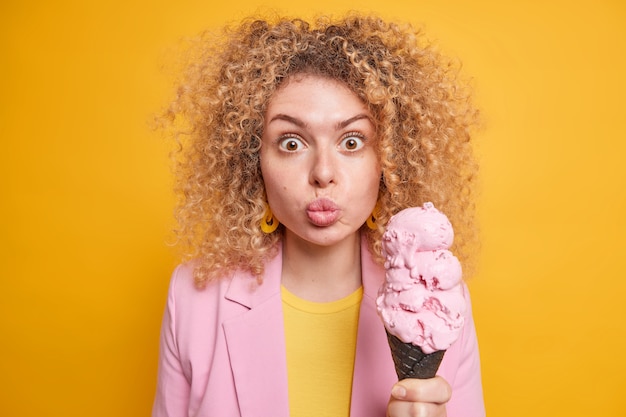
<point>86,202</point>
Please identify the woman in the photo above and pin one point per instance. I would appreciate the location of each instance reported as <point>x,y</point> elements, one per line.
<point>299,142</point>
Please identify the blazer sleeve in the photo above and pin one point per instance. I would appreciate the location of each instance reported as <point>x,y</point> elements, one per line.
<point>173,387</point>
<point>467,393</point>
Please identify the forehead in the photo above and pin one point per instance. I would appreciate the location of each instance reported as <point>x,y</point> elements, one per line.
<point>302,91</point>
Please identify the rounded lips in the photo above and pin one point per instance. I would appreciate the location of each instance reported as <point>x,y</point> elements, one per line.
<point>322,212</point>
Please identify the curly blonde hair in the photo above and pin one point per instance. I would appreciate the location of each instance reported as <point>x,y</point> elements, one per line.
<point>423,116</point>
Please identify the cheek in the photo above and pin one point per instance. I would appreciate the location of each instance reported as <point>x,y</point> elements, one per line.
<point>372,179</point>
<point>273,182</point>
<point>369,193</point>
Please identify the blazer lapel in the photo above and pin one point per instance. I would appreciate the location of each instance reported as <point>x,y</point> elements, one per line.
<point>256,344</point>
<point>374,374</point>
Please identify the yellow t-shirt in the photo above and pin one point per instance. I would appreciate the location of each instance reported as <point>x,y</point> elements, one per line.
<point>321,342</point>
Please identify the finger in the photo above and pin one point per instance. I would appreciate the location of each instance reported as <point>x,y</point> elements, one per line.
<point>432,390</point>
<point>399,408</point>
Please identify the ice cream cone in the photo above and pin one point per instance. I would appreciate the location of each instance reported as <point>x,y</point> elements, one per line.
<point>411,362</point>
<point>422,300</point>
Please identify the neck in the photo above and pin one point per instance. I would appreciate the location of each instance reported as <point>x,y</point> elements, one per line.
<point>321,273</point>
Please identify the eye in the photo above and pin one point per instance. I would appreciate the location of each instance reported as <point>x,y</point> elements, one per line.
<point>290,144</point>
<point>352,141</point>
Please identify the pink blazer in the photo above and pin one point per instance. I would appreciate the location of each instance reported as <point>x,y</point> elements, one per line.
<point>222,351</point>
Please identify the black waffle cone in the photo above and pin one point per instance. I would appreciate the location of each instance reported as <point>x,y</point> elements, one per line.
<point>411,362</point>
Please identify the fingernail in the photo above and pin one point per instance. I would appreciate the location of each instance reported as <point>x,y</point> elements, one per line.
<point>398,391</point>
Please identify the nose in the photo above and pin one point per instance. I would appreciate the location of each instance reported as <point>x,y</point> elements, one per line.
<point>323,168</point>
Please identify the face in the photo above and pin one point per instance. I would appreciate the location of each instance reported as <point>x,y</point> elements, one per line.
<point>318,160</point>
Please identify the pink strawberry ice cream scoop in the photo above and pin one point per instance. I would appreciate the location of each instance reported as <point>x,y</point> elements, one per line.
<point>423,299</point>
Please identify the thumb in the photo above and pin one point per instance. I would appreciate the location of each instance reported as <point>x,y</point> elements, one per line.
<point>432,390</point>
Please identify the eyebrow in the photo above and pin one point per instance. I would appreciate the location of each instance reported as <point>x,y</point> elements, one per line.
<point>351,120</point>
<point>302,124</point>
